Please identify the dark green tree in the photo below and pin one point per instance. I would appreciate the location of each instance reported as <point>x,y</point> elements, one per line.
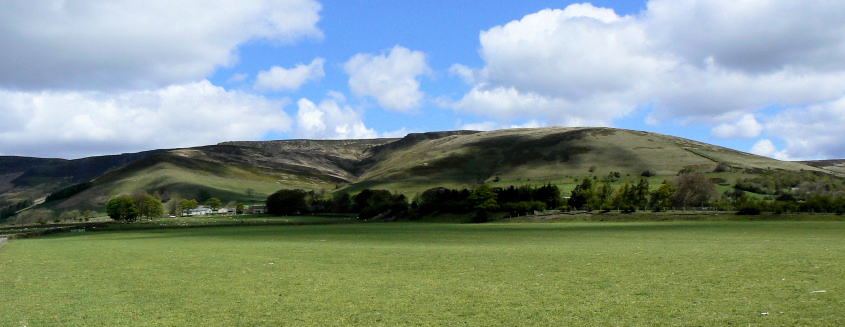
<point>287,202</point>
<point>581,194</point>
<point>150,207</point>
<point>483,198</point>
<point>122,208</point>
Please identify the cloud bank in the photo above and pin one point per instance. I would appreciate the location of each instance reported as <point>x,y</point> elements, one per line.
<point>80,78</point>
<point>72,124</point>
<point>720,63</point>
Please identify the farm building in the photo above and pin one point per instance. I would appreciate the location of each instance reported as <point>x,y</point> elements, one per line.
<point>257,209</point>
<point>200,211</point>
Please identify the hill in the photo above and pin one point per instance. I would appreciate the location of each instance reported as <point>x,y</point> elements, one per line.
<point>249,171</point>
<point>25,178</point>
<point>836,165</point>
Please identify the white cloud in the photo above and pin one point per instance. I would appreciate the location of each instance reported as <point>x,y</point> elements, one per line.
<point>125,44</point>
<point>508,104</point>
<point>745,127</point>
<point>751,36</point>
<point>492,125</point>
<point>330,121</point>
<point>391,79</point>
<point>464,72</point>
<point>814,132</point>
<point>688,60</point>
<point>400,133</point>
<point>237,78</point>
<point>73,124</point>
<point>482,126</point>
<point>581,65</point>
<point>278,78</point>
<point>766,148</point>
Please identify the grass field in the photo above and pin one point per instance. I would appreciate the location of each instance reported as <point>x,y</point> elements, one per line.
<point>654,273</point>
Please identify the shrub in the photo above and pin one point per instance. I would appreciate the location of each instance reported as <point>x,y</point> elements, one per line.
<point>722,167</point>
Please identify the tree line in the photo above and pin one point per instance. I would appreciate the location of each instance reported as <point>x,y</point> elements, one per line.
<point>130,208</point>
<point>686,190</point>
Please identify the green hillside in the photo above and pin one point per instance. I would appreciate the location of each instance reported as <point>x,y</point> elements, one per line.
<point>24,178</point>
<point>249,171</point>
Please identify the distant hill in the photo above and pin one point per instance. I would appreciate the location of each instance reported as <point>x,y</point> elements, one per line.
<point>834,165</point>
<point>33,178</point>
<point>249,171</point>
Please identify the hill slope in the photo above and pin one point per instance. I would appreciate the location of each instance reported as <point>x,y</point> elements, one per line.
<point>33,178</point>
<point>249,171</point>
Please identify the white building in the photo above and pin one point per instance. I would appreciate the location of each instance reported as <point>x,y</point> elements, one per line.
<point>200,211</point>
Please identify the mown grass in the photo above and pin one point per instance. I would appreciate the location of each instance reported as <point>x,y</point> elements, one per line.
<point>671,273</point>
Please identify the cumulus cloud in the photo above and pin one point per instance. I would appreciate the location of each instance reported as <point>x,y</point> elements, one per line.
<point>123,44</point>
<point>580,65</point>
<point>391,79</point>
<point>72,124</point>
<point>765,147</point>
<point>686,60</point>
<point>278,78</point>
<point>751,36</point>
<point>330,120</point>
<point>814,132</point>
<point>745,127</point>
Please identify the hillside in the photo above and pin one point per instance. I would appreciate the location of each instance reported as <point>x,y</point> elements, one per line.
<point>249,171</point>
<point>33,178</point>
<point>836,165</point>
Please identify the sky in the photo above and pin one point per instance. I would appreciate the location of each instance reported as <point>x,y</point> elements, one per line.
<point>81,78</point>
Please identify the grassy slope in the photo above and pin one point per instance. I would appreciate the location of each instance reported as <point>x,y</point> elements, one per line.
<point>679,273</point>
<point>558,155</point>
<point>411,165</point>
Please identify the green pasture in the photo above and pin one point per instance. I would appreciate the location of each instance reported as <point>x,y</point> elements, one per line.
<point>498,274</point>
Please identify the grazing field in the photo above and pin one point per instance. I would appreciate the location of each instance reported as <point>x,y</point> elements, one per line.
<point>654,273</point>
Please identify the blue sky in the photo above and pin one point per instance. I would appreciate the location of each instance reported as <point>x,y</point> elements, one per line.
<point>85,78</point>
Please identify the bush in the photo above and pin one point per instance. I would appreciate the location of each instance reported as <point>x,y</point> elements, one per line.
<point>722,167</point>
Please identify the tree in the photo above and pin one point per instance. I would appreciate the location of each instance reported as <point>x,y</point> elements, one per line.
<point>214,204</point>
<point>122,208</point>
<point>581,194</point>
<point>341,203</point>
<point>641,193</point>
<point>239,208</point>
<point>286,202</point>
<point>548,194</point>
<point>150,207</point>
<point>186,205</point>
<point>662,198</point>
<point>483,198</point>
<point>249,192</point>
<point>70,215</point>
<point>603,198</point>
<point>692,189</point>
<point>40,216</point>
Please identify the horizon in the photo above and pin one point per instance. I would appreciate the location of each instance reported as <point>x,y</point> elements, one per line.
<point>84,79</point>
<point>399,138</point>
